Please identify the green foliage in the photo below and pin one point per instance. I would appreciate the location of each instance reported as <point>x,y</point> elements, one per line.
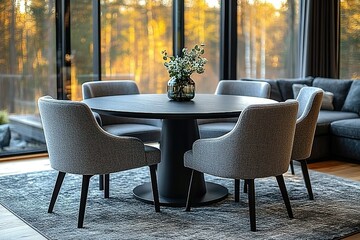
<point>4,117</point>
<point>181,67</point>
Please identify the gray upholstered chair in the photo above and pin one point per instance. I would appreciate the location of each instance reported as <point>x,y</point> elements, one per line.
<point>309,99</point>
<point>209,128</point>
<point>259,146</point>
<point>148,130</point>
<point>78,145</point>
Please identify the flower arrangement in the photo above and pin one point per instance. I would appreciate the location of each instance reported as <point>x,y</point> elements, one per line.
<point>181,67</point>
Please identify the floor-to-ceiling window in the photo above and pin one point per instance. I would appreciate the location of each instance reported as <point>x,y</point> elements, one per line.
<point>133,34</point>
<point>202,26</point>
<point>350,39</point>
<point>81,42</point>
<point>27,71</point>
<point>267,38</point>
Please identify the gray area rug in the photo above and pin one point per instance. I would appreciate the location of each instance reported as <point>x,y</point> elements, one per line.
<point>334,213</point>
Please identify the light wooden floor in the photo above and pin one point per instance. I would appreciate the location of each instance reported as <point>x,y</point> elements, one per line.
<point>13,228</point>
<point>337,168</point>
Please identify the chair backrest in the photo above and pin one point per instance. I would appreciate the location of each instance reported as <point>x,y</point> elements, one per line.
<point>240,88</point>
<point>259,145</point>
<point>243,88</point>
<point>309,99</point>
<point>111,88</point>
<point>77,144</point>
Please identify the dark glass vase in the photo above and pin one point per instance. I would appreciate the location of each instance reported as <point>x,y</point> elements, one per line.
<point>181,89</point>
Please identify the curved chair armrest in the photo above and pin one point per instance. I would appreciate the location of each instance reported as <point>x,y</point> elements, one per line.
<point>206,155</point>
<point>114,152</point>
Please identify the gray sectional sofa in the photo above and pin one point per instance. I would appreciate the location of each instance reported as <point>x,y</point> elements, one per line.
<point>338,127</point>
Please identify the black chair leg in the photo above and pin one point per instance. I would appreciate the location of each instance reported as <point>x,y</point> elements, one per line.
<point>189,197</point>
<point>59,181</point>
<point>292,167</point>
<point>101,182</point>
<point>154,187</point>
<point>251,196</point>
<point>237,190</point>
<point>282,186</point>
<point>306,176</point>
<point>84,192</point>
<point>106,181</point>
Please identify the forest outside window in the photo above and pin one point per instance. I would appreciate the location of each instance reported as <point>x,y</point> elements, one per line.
<point>133,34</point>
<point>267,38</point>
<point>350,39</point>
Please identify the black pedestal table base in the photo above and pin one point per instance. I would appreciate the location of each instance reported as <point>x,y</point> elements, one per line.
<point>214,193</point>
<point>177,137</point>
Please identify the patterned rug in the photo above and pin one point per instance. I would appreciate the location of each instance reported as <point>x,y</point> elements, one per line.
<point>334,213</point>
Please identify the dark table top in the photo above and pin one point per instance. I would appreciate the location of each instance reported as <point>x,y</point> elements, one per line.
<point>160,107</point>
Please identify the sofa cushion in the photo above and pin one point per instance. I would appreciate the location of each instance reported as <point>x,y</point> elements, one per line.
<point>327,101</point>
<point>285,86</point>
<point>274,93</point>
<point>216,129</point>
<point>352,101</point>
<point>339,88</point>
<point>349,128</point>
<point>326,117</point>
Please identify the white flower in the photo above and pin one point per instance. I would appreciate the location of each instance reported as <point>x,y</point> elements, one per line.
<point>181,67</point>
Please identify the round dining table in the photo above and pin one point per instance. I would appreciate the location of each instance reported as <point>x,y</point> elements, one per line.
<point>179,131</point>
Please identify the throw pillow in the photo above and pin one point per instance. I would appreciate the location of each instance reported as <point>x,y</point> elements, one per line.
<point>352,102</point>
<point>327,101</point>
<point>296,88</point>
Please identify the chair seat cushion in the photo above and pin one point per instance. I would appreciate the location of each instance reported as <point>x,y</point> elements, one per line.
<point>146,133</point>
<point>349,128</point>
<point>213,130</point>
